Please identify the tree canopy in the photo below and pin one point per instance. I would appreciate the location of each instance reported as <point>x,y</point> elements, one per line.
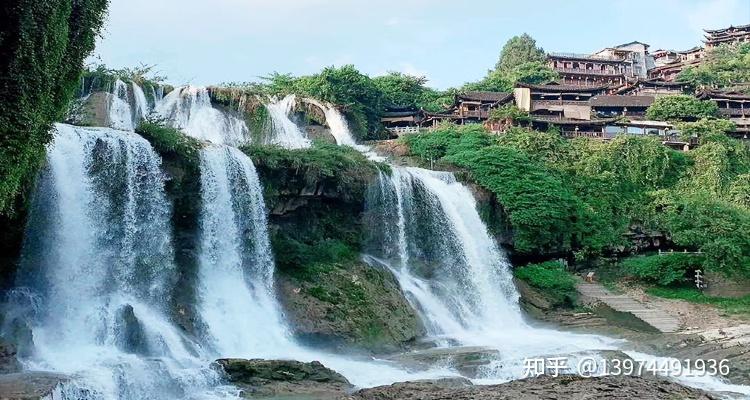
<point>681,108</point>
<point>723,66</point>
<point>519,50</point>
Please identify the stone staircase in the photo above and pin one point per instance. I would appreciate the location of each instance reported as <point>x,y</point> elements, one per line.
<point>656,317</point>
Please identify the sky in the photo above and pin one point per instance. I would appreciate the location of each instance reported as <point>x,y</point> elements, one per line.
<point>205,42</point>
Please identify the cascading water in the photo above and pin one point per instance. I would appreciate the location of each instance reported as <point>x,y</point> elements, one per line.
<point>285,132</point>
<point>189,109</point>
<point>141,107</point>
<point>98,256</point>
<point>237,301</point>
<point>120,114</point>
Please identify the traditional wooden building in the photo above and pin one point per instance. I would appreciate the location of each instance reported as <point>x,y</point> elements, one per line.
<point>732,105</point>
<point>651,87</point>
<point>591,70</point>
<point>400,120</point>
<point>557,100</point>
<point>663,57</point>
<point>730,36</point>
<point>475,106</point>
<point>469,107</point>
<point>635,53</point>
<point>630,107</point>
<point>669,71</point>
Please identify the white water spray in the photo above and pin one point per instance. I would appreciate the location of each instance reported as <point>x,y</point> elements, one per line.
<point>98,254</point>
<point>119,112</point>
<point>285,132</point>
<point>189,109</point>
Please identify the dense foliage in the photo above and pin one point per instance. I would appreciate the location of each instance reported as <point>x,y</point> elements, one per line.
<point>42,48</point>
<point>724,66</point>
<point>407,91</point>
<point>681,108</point>
<point>662,269</point>
<point>551,278</point>
<point>583,195</point>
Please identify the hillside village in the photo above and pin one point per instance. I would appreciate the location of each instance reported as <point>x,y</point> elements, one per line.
<point>598,95</point>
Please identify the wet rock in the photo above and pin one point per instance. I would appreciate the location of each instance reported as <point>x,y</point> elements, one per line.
<point>532,300</point>
<point>31,385</point>
<point>466,360</point>
<point>357,305</point>
<point>543,387</point>
<point>731,344</point>
<point>8,361</point>
<point>265,378</point>
<point>130,333</point>
<point>92,110</point>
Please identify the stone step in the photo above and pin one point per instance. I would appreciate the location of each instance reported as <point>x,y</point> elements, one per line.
<point>657,318</point>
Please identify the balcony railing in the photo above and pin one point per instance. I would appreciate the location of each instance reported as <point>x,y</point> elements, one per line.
<point>401,130</point>
<point>588,71</point>
<point>585,56</point>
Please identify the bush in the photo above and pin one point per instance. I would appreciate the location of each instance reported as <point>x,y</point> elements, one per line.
<point>551,278</point>
<point>168,140</point>
<point>681,108</point>
<point>662,269</point>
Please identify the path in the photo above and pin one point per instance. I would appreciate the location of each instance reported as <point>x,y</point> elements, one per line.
<point>654,316</point>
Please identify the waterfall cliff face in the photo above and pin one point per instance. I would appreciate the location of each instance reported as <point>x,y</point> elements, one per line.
<point>190,110</point>
<point>98,258</point>
<point>285,132</point>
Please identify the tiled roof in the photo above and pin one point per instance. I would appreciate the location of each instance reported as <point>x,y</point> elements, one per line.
<point>564,88</point>
<point>621,101</point>
<point>485,96</point>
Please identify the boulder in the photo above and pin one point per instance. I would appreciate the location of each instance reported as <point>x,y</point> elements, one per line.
<point>8,361</point>
<point>31,385</point>
<point>466,360</point>
<point>356,305</point>
<point>265,378</point>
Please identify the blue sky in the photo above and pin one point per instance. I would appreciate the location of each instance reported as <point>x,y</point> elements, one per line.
<point>450,42</point>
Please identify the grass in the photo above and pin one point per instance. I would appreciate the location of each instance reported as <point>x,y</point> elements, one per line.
<point>729,305</point>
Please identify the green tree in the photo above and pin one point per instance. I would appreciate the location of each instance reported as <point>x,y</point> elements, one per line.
<point>705,127</point>
<point>519,50</point>
<point>533,72</point>
<point>723,66</point>
<point>42,48</point>
<point>403,90</point>
<point>681,108</point>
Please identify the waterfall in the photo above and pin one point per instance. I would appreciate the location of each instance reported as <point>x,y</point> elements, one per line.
<point>285,132</point>
<point>98,256</point>
<point>237,301</point>
<point>120,114</point>
<point>189,109</point>
<point>445,258</point>
<point>142,108</point>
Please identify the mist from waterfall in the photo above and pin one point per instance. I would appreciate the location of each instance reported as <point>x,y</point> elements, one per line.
<point>189,109</point>
<point>285,132</point>
<point>98,259</point>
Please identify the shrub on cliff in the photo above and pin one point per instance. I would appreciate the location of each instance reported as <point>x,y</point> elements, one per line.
<point>551,278</point>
